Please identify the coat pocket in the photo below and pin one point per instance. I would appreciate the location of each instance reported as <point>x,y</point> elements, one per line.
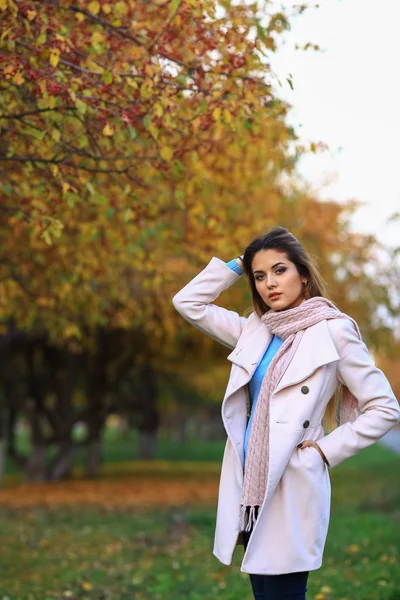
<point>313,459</point>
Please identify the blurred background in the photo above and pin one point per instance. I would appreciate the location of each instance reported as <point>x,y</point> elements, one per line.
<point>138,139</point>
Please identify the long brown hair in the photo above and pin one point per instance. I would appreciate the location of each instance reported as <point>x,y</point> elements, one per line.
<point>281,240</point>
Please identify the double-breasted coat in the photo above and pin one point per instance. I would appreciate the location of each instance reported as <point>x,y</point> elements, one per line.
<point>292,525</point>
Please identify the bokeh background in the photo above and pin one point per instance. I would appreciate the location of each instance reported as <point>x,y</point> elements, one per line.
<point>138,139</point>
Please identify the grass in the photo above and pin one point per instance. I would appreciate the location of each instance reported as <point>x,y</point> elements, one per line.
<point>90,552</point>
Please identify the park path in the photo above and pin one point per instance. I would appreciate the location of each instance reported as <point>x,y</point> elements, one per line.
<point>392,439</point>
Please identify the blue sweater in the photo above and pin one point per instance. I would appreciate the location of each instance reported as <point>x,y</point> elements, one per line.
<point>258,375</point>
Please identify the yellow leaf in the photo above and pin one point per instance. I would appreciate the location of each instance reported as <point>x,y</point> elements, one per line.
<point>46,238</point>
<point>131,82</point>
<point>97,37</point>
<point>166,153</point>
<point>158,109</point>
<point>216,114</point>
<point>227,116</point>
<point>52,101</point>
<point>94,7</point>
<point>108,129</point>
<point>54,56</point>
<point>3,4</point>
<point>87,586</point>
<point>8,71</point>
<point>39,204</point>
<point>18,79</point>
<point>106,8</point>
<point>149,70</point>
<point>121,9</point>
<point>31,14</point>
<point>74,331</point>
<point>79,17</point>
<point>196,124</point>
<point>6,32</point>
<point>41,39</point>
<point>55,134</point>
<point>65,187</point>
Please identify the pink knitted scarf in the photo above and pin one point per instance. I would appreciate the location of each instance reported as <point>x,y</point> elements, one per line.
<point>289,325</point>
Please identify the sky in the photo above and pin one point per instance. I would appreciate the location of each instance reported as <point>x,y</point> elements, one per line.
<point>348,96</point>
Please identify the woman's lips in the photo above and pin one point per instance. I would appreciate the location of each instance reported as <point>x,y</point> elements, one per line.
<point>275,297</point>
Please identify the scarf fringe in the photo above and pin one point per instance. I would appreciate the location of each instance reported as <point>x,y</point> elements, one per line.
<point>248,517</point>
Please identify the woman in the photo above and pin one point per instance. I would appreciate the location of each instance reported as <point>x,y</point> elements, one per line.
<point>295,360</point>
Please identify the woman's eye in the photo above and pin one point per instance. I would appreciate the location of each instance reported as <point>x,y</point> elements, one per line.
<point>278,271</point>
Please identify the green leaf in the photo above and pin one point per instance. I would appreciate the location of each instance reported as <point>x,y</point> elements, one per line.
<point>70,199</point>
<point>203,106</point>
<point>98,198</point>
<point>261,32</point>
<point>174,7</point>
<point>7,188</point>
<point>107,77</point>
<point>83,141</point>
<point>81,106</point>
<point>133,132</point>
<point>90,187</point>
<point>147,121</point>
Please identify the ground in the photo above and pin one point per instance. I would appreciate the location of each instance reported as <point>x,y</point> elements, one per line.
<point>145,531</point>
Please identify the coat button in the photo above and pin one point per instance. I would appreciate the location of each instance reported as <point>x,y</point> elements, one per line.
<point>305,389</point>
<point>306,423</point>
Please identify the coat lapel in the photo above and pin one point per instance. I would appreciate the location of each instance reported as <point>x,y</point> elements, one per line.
<point>315,349</point>
<point>250,349</point>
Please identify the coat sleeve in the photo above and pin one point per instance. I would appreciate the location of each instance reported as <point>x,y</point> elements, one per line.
<point>378,407</point>
<point>195,303</point>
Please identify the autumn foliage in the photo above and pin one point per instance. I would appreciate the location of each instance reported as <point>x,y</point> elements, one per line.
<point>137,140</point>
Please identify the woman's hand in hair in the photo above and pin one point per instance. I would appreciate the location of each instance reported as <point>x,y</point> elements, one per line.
<point>240,260</point>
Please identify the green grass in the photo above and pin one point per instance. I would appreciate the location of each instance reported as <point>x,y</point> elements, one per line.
<point>49,554</point>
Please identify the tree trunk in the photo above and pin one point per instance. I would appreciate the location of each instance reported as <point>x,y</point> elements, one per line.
<point>2,460</point>
<point>147,444</point>
<point>61,465</point>
<point>93,457</point>
<point>149,417</point>
<point>35,467</point>
<point>3,436</point>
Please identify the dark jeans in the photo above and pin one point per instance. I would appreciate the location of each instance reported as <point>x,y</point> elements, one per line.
<point>289,586</point>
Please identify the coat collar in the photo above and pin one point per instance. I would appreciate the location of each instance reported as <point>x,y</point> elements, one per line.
<point>316,348</point>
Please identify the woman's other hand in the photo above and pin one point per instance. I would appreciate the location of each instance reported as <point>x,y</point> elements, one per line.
<point>308,443</point>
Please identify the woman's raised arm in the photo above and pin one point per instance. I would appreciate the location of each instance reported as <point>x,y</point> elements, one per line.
<point>194,302</point>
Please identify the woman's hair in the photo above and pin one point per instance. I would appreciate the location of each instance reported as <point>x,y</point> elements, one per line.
<point>281,240</point>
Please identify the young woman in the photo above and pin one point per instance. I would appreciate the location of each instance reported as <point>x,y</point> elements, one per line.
<point>298,363</point>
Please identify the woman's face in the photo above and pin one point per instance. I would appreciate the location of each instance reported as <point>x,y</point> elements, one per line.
<point>274,272</point>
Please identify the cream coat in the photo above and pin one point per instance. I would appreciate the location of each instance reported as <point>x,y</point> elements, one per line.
<point>292,525</point>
